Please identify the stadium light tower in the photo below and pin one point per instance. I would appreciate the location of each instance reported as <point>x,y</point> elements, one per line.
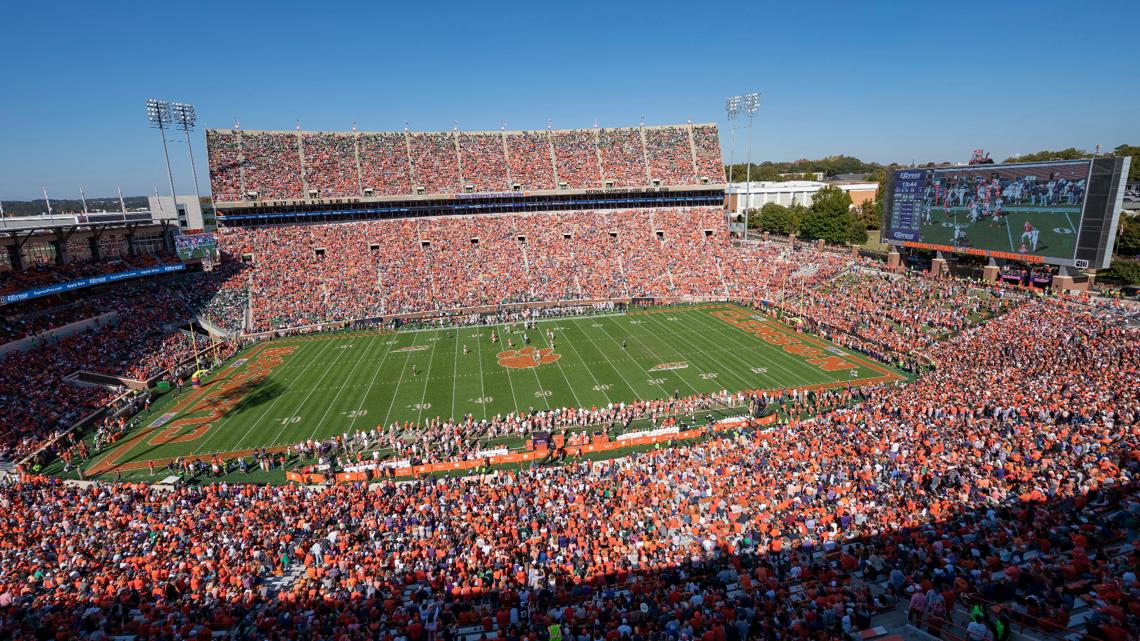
<point>732,111</point>
<point>159,116</point>
<point>185,117</point>
<point>748,104</point>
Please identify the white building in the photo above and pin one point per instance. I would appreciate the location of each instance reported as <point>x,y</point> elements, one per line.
<point>755,195</point>
<point>189,212</point>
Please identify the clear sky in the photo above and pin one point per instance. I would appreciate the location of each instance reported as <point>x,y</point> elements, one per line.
<point>885,81</point>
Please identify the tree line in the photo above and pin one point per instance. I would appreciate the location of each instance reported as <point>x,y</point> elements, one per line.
<point>829,218</point>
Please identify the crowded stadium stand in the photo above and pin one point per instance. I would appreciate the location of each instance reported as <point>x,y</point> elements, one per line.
<point>262,166</point>
<point>994,491</point>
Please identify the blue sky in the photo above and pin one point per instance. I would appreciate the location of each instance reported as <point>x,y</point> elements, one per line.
<point>884,81</point>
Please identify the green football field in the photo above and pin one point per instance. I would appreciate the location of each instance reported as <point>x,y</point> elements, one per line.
<point>290,390</point>
<point>1056,228</point>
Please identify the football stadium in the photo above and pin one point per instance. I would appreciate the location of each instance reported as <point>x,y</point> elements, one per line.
<point>568,384</point>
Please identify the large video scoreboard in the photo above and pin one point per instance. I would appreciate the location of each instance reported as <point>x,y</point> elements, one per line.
<point>1060,212</point>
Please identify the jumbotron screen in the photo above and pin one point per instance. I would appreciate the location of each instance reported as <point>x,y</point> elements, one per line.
<point>1032,212</point>
<point>192,247</point>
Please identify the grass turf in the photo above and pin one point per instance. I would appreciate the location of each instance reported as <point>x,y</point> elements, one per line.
<point>1056,230</point>
<point>287,391</point>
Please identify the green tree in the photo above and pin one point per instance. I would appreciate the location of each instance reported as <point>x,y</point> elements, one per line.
<point>1134,151</point>
<point>870,214</point>
<point>777,219</point>
<point>1126,271</point>
<point>831,200</point>
<point>858,233</point>
<point>1072,153</point>
<point>1128,243</point>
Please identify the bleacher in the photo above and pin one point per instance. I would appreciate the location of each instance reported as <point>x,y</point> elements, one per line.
<point>261,166</point>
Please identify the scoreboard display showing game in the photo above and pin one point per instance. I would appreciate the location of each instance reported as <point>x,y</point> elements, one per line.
<point>196,247</point>
<point>1060,212</point>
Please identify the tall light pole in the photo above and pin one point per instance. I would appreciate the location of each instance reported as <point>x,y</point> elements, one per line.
<point>732,110</point>
<point>186,118</point>
<point>159,116</point>
<point>748,104</point>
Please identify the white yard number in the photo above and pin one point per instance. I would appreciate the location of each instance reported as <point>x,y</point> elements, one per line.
<point>1062,230</point>
<point>542,393</point>
<point>356,413</point>
<point>655,381</point>
<point>422,406</point>
<point>596,325</point>
<point>482,400</point>
<point>291,420</point>
<point>634,322</point>
<point>349,346</point>
<point>390,341</point>
<point>672,318</point>
<point>603,387</point>
<point>759,370</point>
<point>708,376</point>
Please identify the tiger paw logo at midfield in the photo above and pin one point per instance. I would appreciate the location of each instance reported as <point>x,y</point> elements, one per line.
<point>527,357</point>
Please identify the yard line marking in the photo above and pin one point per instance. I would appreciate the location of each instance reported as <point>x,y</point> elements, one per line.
<point>427,380</point>
<point>454,372</point>
<point>216,428</point>
<point>558,363</point>
<point>249,431</point>
<point>584,363</point>
<point>368,388</point>
<point>332,403</point>
<point>603,353</point>
<point>791,373</point>
<point>482,382</point>
<point>1009,233</point>
<point>684,356</point>
<point>399,380</point>
<point>732,372</point>
<point>664,391</point>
